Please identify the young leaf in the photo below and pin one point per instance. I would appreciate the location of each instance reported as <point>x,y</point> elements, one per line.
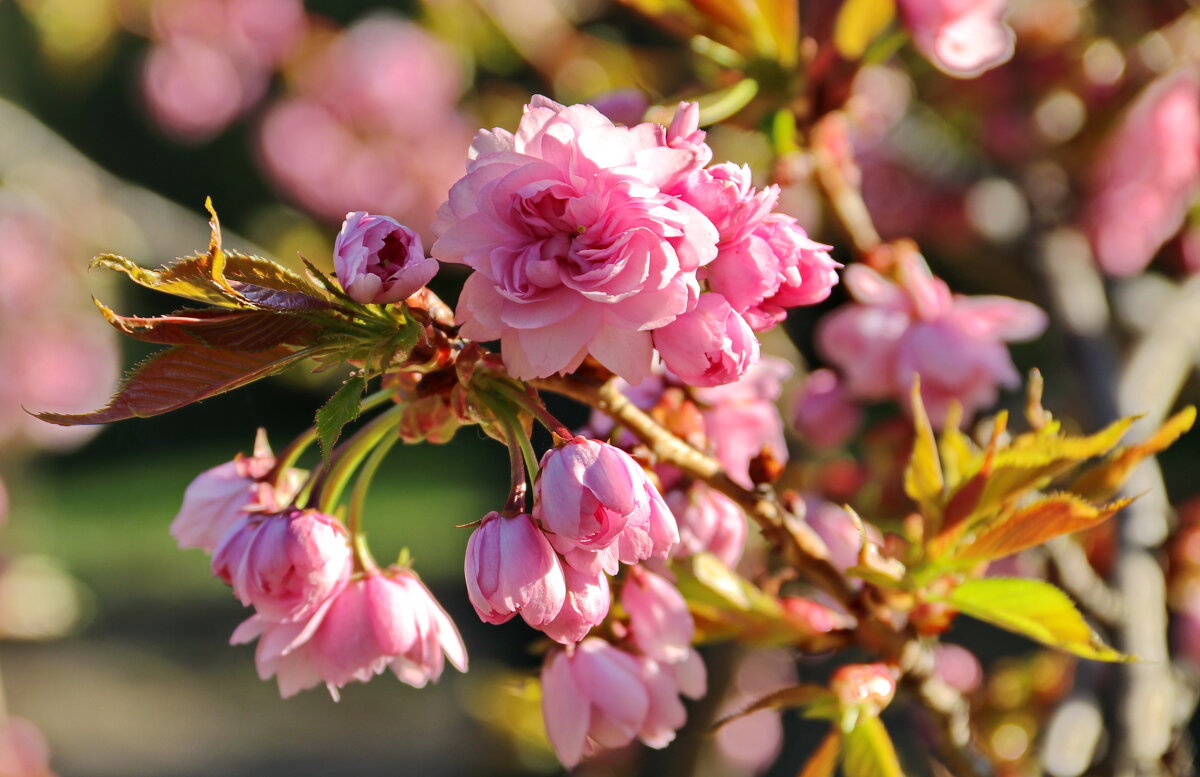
<point>822,762</point>
<point>1035,524</point>
<point>859,23</point>
<point>1034,609</point>
<point>867,750</point>
<point>923,477</point>
<point>1103,480</point>
<point>342,408</point>
<point>179,376</point>
<point>240,330</point>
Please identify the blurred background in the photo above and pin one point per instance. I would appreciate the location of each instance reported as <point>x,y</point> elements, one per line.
<point>118,118</point>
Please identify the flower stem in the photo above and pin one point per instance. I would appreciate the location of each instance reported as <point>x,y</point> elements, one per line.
<point>358,497</point>
<point>520,450</point>
<point>351,453</point>
<point>534,405</point>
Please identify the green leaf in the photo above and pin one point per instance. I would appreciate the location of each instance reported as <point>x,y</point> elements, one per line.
<point>1033,609</point>
<point>859,23</point>
<point>923,476</point>
<point>179,376</point>
<point>240,330</point>
<point>342,408</point>
<point>867,750</point>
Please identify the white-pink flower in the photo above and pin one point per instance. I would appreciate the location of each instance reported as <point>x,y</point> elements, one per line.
<point>961,37</point>
<point>913,325</point>
<point>379,260</point>
<point>575,245</point>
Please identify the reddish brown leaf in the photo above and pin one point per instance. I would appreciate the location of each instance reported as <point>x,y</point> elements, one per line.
<point>240,330</point>
<point>179,376</point>
<point>1037,523</point>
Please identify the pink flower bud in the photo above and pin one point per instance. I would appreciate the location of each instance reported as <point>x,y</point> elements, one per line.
<point>709,346</point>
<point>510,569</point>
<point>285,565</point>
<point>659,620</point>
<point>592,697</point>
<point>824,414</point>
<point>587,491</point>
<point>218,497</point>
<point>585,606</point>
<point>385,620</point>
<point>961,37</point>
<point>665,714</point>
<point>379,260</point>
<point>867,685</point>
<point>709,522</point>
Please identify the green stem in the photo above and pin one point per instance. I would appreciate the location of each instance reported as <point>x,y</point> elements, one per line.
<point>358,498</point>
<point>351,453</point>
<point>518,441</point>
<point>534,405</point>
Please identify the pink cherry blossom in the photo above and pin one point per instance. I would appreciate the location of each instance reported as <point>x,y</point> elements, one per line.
<point>708,346</point>
<point>511,568</point>
<point>283,649</point>
<point>798,270</point>
<point>385,620</point>
<point>823,412</point>
<point>725,194</point>
<point>1149,175</point>
<point>586,605</point>
<point>665,714</point>
<point>589,490</point>
<point>839,532</point>
<point>286,565</point>
<point>378,260</point>
<point>575,247</point>
<point>651,533</point>
<point>913,325</point>
<point>593,697</point>
<point>741,420</point>
<point>751,743</point>
<point>709,522</point>
<point>220,496</point>
<point>659,620</point>
<point>961,37</point>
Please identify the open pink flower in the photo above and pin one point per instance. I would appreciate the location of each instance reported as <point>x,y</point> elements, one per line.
<point>218,497</point>
<point>576,247</point>
<point>659,620</point>
<point>961,37</point>
<point>285,565</point>
<point>380,260</point>
<point>588,491</point>
<point>585,606</point>
<point>385,620</point>
<point>915,326</point>
<point>708,346</point>
<point>511,568</point>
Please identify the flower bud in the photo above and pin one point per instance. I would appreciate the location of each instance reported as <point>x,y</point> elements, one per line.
<point>511,568</point>
<point>659,620</point>
<point>709,522</point>
<point>585,606</point>
<point>709,346</point>
<point>378,260</point>
<point>284,565</point>
<point>865,685</point>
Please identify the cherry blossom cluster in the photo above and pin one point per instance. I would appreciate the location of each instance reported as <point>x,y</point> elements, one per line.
<point>587,238</point>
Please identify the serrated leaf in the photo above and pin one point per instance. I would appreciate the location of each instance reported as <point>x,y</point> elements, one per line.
<point>1106,478</point>
<point>867,750</point>
<point>859,22</point>
<point>1034,609</point>
<point>1035,524</point>
<point>802,695</point>
<point>241,330</point>
<point>923,476</point>
<point>824,760</point>
<point>342,408</point>
<point>179,376</point>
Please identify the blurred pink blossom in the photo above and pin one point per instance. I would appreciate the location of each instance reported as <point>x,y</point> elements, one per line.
<point>741,420</point>
<point>659,620</point>
<point>708,521</point>
<point>823,412</point>
<point>753,742</point>
<point>912,325</point>
<point>23,749</point>
<point>963,38</point>
<point>1148,176</point>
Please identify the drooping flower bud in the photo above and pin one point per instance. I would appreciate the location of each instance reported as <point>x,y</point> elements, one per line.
<point>378,260</point>
<point>511,568</point>
<point>588,491</point>
<point>659,620</point>
<point>585,606</point>
<point>592,697</point>
<point>385,620</point>
<point>218,497</point>
<point>709,346</point>
<point>709,522</point>
<point>285,565</point>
